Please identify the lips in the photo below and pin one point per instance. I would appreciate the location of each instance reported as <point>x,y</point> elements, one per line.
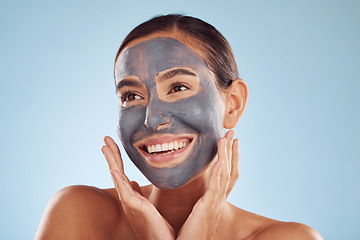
<point>165,150</point>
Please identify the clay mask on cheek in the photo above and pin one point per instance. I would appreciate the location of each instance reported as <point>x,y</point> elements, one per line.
<point>199,116</point>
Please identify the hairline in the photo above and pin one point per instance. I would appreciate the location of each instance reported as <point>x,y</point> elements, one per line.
<point>193,43</point>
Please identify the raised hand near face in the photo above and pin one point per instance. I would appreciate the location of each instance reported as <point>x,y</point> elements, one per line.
<point>146,221</point>
<point>204,219</point>
<point>202,223</point>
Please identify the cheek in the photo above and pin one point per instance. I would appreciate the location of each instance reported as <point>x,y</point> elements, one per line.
<point>202,112</point>
<point>129,120</point>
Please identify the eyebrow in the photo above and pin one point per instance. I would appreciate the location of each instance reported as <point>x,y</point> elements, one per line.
<point>127,83</point>
<point>174,72</point>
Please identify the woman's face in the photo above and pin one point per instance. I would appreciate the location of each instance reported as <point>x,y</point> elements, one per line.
<point>170,111</point>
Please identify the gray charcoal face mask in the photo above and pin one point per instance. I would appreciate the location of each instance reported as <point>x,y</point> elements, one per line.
<point>200,115</point>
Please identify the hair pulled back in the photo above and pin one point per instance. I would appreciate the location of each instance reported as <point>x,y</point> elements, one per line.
<point>215,48</point>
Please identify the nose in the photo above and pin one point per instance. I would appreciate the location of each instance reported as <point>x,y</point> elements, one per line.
<point>156,117</point>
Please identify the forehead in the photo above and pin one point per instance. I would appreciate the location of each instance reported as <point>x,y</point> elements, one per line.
<point>156,55</point>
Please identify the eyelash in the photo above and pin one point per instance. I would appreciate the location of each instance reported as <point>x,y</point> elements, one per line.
<point>178,84</point>
<point>126,94</point>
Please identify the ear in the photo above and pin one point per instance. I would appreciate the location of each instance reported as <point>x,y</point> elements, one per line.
<point>236,100</point>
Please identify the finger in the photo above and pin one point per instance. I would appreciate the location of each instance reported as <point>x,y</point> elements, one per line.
<point>126,194</point>
<point>235,159</point>
<point>121,181</point>
<point>225,170</point>
<point>215,178</point>
<point>114,157</point>
<point>113,165</point>
<point>135,186</point>
<point>214,183</point>
<point>115,150</point>
<point>229,138</point>
<point>234,175</point>
<point>115,181</point>
<point>216,170</point>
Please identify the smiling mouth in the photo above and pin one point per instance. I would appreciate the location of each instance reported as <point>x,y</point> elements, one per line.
<point>165,151</point>
<point>166,148</point>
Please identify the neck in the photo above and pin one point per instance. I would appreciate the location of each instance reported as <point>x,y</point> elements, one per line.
<point>175,205</point>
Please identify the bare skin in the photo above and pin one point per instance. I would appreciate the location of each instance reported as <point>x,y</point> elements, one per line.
<point>82,212</point>
<point>197,210</point>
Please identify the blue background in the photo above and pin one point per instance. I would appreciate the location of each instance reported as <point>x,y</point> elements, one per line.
<point>299,136</point>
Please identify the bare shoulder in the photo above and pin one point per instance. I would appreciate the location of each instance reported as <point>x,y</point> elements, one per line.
<point>288,230</point>
<point>251,226</point>
<point>80,211</point>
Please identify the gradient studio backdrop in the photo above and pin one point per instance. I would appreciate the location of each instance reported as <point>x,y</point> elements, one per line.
<point>299,135</point>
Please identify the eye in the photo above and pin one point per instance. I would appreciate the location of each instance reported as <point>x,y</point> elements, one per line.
<point>178,87</point>
<point>129,96</point>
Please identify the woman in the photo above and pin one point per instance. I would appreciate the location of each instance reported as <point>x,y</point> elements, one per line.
<point>178,88</point>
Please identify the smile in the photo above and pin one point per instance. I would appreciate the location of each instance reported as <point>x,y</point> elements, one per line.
<point>165,150</point>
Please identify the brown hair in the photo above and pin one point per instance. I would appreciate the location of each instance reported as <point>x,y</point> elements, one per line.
<point>216,50</point>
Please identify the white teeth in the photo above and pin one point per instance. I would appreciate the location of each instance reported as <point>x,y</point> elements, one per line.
<point>171,146</point>
<point>158,148</point>
<point>176,145</point>
<point>164,147</point>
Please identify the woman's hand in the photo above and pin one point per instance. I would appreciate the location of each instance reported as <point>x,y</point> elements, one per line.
<point>144,218</point>
<point>205,216</point>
